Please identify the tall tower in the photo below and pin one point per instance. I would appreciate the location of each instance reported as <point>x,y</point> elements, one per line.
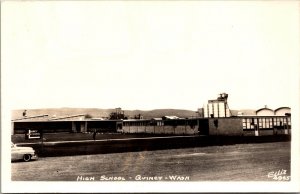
<point>218,107</point>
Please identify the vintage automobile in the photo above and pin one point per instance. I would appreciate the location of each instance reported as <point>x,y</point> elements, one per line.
<point>22,153</point>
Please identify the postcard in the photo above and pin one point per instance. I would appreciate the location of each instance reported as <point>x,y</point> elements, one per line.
<point>149,96</point>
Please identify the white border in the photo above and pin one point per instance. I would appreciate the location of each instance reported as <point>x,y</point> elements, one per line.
<point>8,186</point>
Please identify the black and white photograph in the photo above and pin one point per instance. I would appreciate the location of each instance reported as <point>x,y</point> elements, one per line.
<point>150,96</point>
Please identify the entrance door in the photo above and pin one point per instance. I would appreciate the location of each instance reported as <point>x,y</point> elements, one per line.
<point>78,127</point>
<point>203,127</point>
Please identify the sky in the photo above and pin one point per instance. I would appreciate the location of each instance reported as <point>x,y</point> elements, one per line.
<point>150,54</point>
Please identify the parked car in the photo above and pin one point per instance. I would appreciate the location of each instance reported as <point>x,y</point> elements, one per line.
<point>22,153</point>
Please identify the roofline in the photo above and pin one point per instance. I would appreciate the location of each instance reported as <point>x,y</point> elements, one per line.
<point>25,118</point>
<point>265,109</point>
<point>44,121</point>
<point>235,117</point>
<point>282,108</point>
<point>220,100</point>
<point>71,116</point>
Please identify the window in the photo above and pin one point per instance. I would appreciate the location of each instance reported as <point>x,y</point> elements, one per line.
<point>249,123</point>
<point>267,123</point>
<point>244,123</point>
<point>271,122</point>
<point>260,125</point>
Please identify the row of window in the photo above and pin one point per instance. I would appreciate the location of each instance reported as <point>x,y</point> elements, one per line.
<point>248,123</point>
<point>160,123</point>
<point>275,122</point>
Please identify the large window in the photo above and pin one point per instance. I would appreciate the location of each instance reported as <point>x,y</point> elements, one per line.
<point>262,122</point>
<point>266,122</point>
<point>249,123</point>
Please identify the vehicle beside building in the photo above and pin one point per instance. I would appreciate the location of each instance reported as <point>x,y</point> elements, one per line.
<point>22,153</point>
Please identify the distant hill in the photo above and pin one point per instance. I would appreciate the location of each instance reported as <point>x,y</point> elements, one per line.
<point>98,113</point>
<point>162,112</point>
<point>245,112</point>
<point>102,113</point>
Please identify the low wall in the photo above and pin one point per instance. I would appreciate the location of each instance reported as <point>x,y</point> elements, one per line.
<point>266,132</point>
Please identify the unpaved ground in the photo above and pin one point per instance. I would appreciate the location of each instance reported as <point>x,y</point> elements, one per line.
<point>243,162</point>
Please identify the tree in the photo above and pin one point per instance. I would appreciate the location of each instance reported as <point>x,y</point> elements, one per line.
<point>88,116</point>
<point>117,116</point>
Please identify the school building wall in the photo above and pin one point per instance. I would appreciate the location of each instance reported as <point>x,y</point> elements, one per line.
<point>165,129</point>
<point>225,126</point>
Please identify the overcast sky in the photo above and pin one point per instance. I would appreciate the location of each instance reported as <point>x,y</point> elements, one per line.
<point>148,55</point>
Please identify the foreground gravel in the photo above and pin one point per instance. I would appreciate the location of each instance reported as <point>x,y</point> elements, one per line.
<point>243,162</point>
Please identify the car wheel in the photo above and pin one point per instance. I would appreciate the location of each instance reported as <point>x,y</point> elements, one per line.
<point>27,157</point>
